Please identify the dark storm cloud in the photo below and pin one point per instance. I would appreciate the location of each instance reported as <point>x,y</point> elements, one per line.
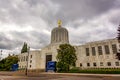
<point>7,43</point>
<point>34,39</point>
<point>41,17</point>
<point>85,9</point>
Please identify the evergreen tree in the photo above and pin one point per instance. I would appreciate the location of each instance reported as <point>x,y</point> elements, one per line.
<point>24,48</point>
<point>66,57</point>
<point>118,37</point>
<point>6,64</point>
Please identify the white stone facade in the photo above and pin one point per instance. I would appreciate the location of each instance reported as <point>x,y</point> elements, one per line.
<point>33,60</point>
<point>101,58</point>
<point>97,54</point>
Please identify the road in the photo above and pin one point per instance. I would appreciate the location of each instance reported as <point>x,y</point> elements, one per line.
<point>52,77</point>
<point>48,78</point>
<point>57,77</point>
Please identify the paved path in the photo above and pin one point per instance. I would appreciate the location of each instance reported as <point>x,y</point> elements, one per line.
<point>48,78</point>
<point>58,76</point>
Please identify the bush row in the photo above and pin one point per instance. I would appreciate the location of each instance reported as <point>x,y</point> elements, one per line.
<point>95,71</point>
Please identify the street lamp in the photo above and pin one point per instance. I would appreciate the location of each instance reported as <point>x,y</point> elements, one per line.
<point>26,71</point>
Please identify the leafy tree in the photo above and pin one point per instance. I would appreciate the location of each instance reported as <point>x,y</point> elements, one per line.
<point>24,48</point>
<point>6,64</point>
<point>118,37</point>
<point>66,57</point>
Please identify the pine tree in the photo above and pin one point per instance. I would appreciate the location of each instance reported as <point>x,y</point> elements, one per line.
<point>24,48</point>
<point>118,38</point>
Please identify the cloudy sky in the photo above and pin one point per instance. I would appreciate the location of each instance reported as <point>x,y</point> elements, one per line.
<point>31,21</point>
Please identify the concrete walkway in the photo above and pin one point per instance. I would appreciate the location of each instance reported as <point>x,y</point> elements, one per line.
<point>63,74</point>
<point>83,74</point>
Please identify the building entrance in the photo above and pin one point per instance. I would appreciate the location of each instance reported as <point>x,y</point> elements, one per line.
<point>48,58</point>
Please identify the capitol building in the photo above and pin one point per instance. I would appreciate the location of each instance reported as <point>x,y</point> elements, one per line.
<point>97,54</point>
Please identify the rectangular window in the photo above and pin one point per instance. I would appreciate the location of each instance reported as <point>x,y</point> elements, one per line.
<point>93,51</point>
<point>100,50</point>
<point>109,63</point>
<point>101,63</point>
<point>107,51</point>
<point>80,64</point>
<point>94,64</point>
<point>87,52</point>
<point>114,48</point>
<point>22,59</point>
<point>26,58</point>
<point>88,64</point>
<point>30,66</point>
<point>30,61</point>
<point>117,63</point>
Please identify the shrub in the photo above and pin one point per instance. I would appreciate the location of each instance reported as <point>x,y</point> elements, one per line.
<point>95,71</point>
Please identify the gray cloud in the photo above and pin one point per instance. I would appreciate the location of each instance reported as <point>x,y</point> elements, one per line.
<point>85,9</point>
<point>31,21</point>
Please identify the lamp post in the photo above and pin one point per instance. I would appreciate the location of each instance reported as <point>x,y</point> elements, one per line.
<point>26,71</point>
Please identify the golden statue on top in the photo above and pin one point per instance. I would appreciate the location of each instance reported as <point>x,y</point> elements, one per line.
<point>59,23</point>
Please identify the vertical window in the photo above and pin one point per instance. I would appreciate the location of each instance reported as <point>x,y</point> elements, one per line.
<point>100,50</point>
<point>30,61</point>
<point>30,66</point>
<point>101,63</point>
<point>94,64</point>
<point>114,48</point>
<point>31,56</point>
<point>117,63</point>
<point>26,58</point>
<point>21,58</point>
<point>80,64</point>
<point>109,63</point>
<point>88,64</point>
<point>87,52</point>
<point>93,51</point>
<point>107,51</point>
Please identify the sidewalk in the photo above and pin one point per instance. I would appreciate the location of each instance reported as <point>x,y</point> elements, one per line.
<point>84,74</point>
<point>62,74</point>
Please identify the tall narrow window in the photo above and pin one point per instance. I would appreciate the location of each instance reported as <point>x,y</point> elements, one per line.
<point>107,51</point>
<point>30,61</point>
<point>93,51</point>
<point>88,64</point>
<point>100,50</point>
<point>30,66</point>
<point>87,52</point>
<point>26,58</point>
<point>31,56</point>
<point>94,64</point>
<point>109,63</point>
<point>117,63</point>
<point>80,64</point>
<point>101,63</point>
<point>114,48</point>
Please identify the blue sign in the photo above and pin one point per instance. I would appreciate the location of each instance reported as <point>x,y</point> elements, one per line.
<point>14,67</point>
<point>51,65</point>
